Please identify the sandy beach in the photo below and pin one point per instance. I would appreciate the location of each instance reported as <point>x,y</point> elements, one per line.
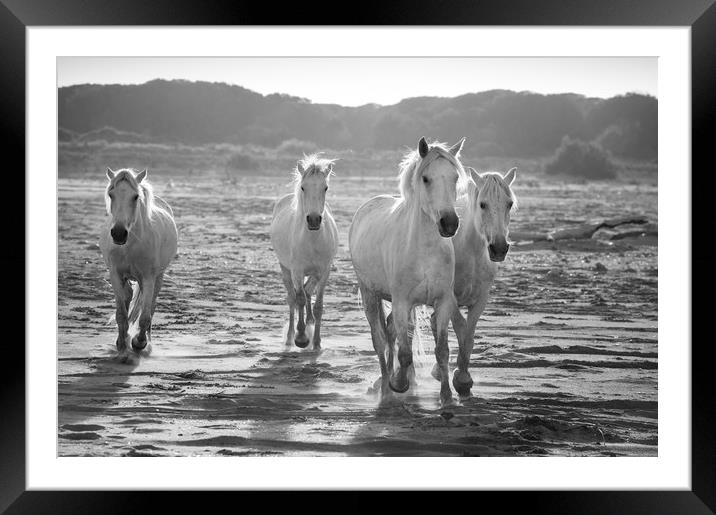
<point>565,361</point>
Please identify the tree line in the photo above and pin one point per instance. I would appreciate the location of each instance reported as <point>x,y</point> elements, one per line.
<point>496,122</point>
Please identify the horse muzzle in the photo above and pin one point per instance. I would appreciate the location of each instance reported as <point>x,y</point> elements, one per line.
<point>119,235</point>
<point>448,224</point>
<point>314,221</point>
<point>498,252</point>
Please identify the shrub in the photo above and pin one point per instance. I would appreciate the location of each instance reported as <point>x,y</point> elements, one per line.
<point>581,159</point>
<point>243,162</point>
<point>110,134</point>
<point>296,147</point>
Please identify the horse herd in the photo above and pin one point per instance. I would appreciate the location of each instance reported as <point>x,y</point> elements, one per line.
<point>435,244</point>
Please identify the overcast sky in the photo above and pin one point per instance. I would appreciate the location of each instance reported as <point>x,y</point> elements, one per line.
<point>358,81</point>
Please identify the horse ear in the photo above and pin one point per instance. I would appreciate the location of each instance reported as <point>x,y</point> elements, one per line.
<point>142,175</point>
<point>478,179</point>
<point>457,147</point>
<point>330,168</point>
<point>423,147</point>
<point>110,173</point>
<point>510,176</point>
<point>300,168</point>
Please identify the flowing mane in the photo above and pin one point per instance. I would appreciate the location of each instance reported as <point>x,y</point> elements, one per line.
<point>144,190</point>
<point>411,168</point>
<point>311,164</point>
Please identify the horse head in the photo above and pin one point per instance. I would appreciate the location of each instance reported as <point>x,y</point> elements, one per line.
<point>312,175</point>
<point>491,201</point>
<point>437,176</point>
<point>124,197</point>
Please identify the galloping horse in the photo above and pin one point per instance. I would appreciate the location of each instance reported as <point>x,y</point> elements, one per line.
<point>479,245</point>
<point>138,243</point>
<point>305,239</point>
<point>402,253</point>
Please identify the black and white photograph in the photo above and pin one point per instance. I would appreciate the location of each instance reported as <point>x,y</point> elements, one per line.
<point>354,256</point>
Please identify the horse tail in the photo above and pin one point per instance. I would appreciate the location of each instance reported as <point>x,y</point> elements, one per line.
<point>135,305</point>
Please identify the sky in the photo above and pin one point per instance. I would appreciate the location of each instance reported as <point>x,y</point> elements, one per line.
<point>385,81</point>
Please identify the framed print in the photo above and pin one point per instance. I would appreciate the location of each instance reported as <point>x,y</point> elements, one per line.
<point>420,246</point>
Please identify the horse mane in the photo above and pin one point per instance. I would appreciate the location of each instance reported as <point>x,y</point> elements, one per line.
<point>410,169</point>
<point>312,164</point>
<point>144,189</point>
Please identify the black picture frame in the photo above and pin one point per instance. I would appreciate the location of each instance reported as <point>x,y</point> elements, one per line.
<point>17,15</point>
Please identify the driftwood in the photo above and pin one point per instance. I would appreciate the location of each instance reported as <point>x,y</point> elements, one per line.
<point>580,232</point>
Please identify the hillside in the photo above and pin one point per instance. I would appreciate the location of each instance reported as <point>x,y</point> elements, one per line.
<point>497,122</point>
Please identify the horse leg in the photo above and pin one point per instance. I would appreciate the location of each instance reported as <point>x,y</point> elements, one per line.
<point>444,308</point>
<point>399,381</point>
<point>301,340</point>
<point>128,293</point>
<point>119,285</point>
<point>318,310</point>
<point>435,372</point>
<point>391,337</point>
<point>308,287</point>
<point>310,319</point>
<point>462,381</point>
<point>291,301</point>
<point>373,312</point>
<point>157,286</point>
<point>139,342</point>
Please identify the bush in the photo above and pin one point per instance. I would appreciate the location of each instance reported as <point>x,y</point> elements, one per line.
<point>296,147</point>
<point>110,135</point>
<point>587,160</point>
<point>243,162</point>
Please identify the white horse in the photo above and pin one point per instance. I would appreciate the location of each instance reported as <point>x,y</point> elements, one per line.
<point>305,239</point>
<point>480,244</point>
<point>402,253</point>
<point>138,242</point>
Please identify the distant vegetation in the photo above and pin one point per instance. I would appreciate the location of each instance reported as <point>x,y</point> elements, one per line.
<point>243,163</point>
<point>581,159</point>
<point>496,123</point>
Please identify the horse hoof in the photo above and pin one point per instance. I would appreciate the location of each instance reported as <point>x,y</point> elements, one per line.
<point>462,382</point>
<point>447,402</point>
<point>139,343</point>
<point>301,341</point>
<point>398,385</point>
<point>121,344</point>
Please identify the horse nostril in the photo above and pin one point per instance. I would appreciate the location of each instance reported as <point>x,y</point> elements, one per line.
<point>313,221</point>
<point>118,233</point>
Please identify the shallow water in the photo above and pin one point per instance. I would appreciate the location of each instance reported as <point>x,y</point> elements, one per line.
<point>565,361</point>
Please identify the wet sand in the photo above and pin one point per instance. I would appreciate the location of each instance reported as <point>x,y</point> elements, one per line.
<point>565,360</point>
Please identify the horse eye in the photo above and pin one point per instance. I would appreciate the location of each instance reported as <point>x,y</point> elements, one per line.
<point>302,188</point>
<point>326,188</point>
<point>483,205</point>
<point>136,197</point>
<point>426,180</point>
<point>509,205</point>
